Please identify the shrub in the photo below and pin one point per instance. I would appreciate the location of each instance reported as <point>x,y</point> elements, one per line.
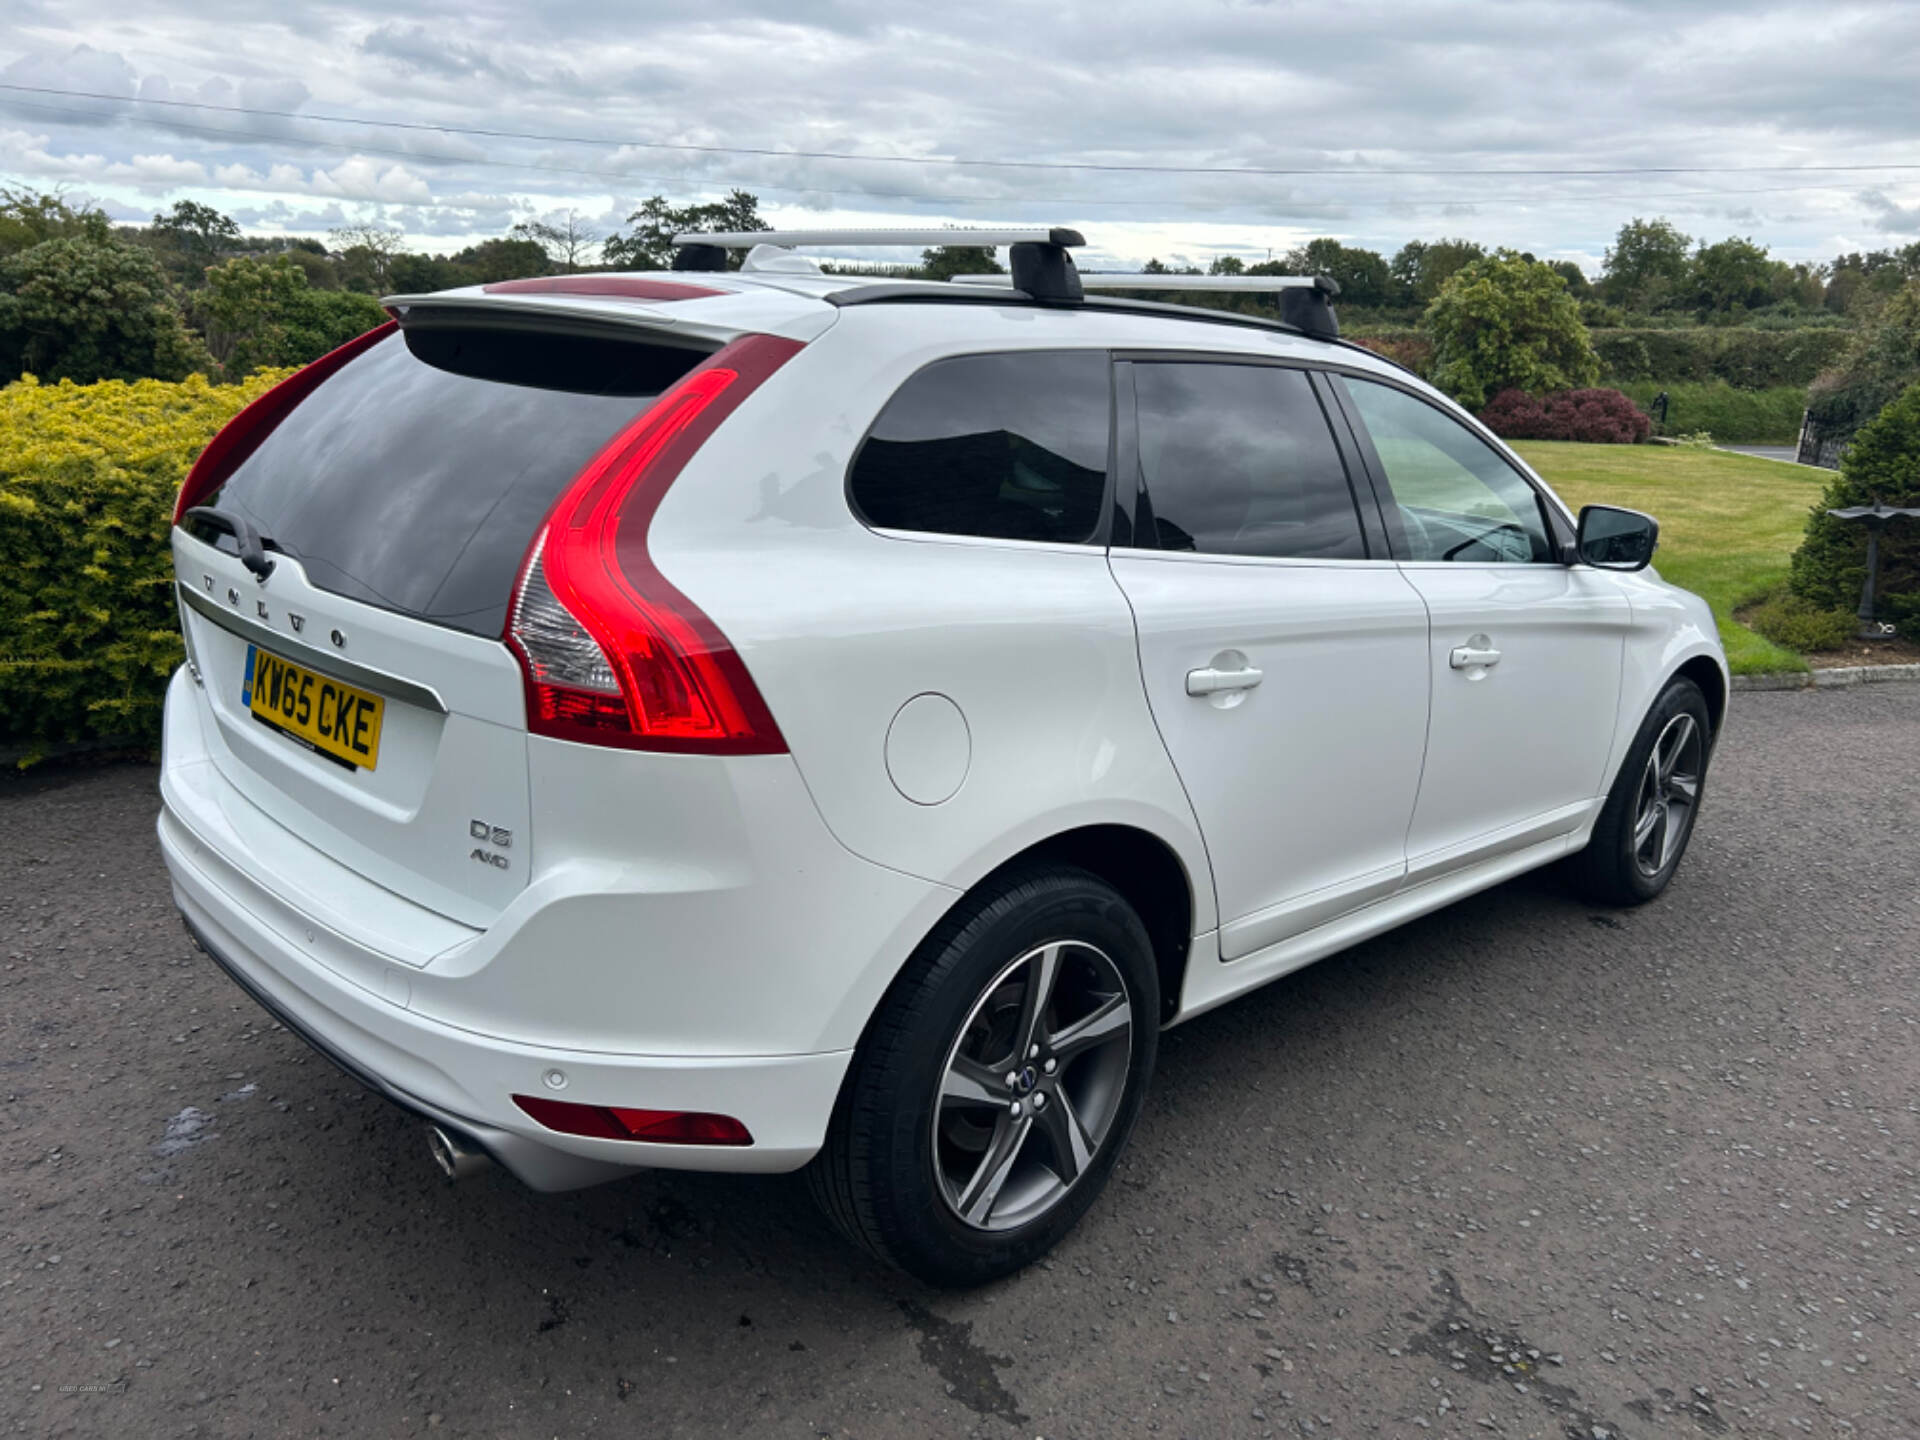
<point>88,474</point>
<point>1507,323</point>
<point>1412,350</point>
<point>263,312</point>
<point>1745,358</point>
<point>86,310</point>
<point>1883,465</point>
<point>1735,417</point>
<point>1602,417</point>
<point>1798,624</point>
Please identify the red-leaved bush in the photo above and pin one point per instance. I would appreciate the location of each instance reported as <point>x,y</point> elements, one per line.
<point>1604,417</point>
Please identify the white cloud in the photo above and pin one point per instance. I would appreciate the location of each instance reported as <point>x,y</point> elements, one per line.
<point>1419,87</point>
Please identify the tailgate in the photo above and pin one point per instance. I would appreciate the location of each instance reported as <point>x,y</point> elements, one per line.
<point>449,758</point>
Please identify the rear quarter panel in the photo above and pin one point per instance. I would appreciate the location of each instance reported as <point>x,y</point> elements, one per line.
<point>840,626</point>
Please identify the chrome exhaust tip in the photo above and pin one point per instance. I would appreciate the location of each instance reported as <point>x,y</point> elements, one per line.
<point>455,1157</point>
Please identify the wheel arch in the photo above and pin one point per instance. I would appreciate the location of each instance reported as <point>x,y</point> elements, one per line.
<point>1140,865</point>
<point>1148,875</point>
<point>1705,672</point>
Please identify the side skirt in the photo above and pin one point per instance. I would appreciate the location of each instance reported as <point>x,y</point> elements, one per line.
<point>1210,983</point>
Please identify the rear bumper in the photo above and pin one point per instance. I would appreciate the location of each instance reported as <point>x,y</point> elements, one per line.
<point>605,983</point>
<point>465,1081</point>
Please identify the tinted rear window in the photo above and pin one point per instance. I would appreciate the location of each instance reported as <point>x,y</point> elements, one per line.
<point>1238,460</point>
<point>415,478</point>
<point>1009,447</point>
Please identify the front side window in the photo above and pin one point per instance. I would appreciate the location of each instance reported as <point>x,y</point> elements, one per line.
<point>1458,499</point>
<point>1238,460</point>
<point>1006,447</point>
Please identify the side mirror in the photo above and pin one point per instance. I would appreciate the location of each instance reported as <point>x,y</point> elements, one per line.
<point>1614,539</point>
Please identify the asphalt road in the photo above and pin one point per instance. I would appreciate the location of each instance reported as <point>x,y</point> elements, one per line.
<point>1521,1169</point>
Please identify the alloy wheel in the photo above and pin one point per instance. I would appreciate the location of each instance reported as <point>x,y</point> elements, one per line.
<point>1669,791</point>
<point>1032,1085</point>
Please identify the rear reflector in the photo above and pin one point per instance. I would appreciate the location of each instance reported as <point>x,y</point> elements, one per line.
<point>242,435</point>
<point>614,1122</point>
<point>613,653</point>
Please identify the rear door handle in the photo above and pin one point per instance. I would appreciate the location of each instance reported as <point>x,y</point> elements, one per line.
<point>1465,657</point>
<point>1214,682</point>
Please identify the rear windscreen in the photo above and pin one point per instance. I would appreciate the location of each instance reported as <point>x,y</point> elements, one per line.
<point>415,478</point>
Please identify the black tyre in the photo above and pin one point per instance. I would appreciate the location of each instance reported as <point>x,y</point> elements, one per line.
<point>1650,812</point>
<point>998,1082</point>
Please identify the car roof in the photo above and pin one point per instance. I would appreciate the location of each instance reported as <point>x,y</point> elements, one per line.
<point>715,306</point>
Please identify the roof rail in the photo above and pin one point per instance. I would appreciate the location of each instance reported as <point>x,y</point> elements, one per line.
<point>1259,284</point>
<point>1305,300</point>
<point>1038,260</point>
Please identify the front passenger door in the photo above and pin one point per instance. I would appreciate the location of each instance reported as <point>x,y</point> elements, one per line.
<point>1526,650</point>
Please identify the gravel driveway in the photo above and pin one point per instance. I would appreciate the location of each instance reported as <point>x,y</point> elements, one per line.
<point>1520,1169</point>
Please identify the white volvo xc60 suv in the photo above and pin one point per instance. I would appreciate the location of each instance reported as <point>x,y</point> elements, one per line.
<point>753,719</point>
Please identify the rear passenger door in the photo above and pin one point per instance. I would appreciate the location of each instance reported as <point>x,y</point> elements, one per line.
<point>1283,651</point>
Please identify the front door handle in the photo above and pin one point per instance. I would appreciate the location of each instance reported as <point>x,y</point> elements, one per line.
<point>1466,657</point>
<point>1216,682</point>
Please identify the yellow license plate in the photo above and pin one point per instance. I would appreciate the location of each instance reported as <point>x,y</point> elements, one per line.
<point>339,721</point>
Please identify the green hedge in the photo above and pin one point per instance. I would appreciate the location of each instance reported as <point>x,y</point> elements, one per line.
<point>1745,359</point>
<point>88,474</point>
<point>1733,417</point>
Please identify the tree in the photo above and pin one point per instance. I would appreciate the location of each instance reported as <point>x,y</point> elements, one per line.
<point>86,310</point>
<point>566,241</point>
<point>260,311</point>
<point>27,219</point>
<point>1859,282</point>
<point>367,253</point>
<point>1227,265</point>
<point>649,246</point>
<point>196,235</point>
<point>1883,359</point>
<point>1420,267</point>
<point>1577,283</point>
<point>420,274</point>
<point>943,262</point>
<point>1730,278</point>
<point>1647,264</point>
<point>1881,466</point>
<point>1508,323</point>
<point>493,260</point>
<point>1362,275</point>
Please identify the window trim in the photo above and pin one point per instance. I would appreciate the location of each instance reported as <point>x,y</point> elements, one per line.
<point>1558,525</point>
<point>1099,541</point>
<point>1371,538</point>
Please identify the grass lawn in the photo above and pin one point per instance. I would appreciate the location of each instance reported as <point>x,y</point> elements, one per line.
<point>1728,523</point>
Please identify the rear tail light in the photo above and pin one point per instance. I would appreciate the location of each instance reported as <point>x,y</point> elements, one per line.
<point>615,1122</point>
<point>613,653</point>
<point>242,434</point>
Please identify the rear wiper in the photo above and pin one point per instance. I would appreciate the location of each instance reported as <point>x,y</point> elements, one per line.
<point>253,545</point>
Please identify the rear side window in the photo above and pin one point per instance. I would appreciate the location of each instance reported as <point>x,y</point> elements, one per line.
<point>1238,460</point>
<point>414,478</point>
<point>1008,447</point>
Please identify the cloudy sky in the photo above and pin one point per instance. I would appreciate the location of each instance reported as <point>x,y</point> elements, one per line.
<point>1163,129</point>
